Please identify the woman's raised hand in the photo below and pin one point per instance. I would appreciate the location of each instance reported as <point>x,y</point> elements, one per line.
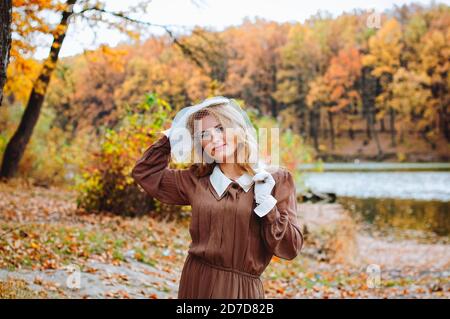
<point>264,183</point>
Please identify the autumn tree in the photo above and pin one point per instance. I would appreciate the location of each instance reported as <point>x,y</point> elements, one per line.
<point>435,57</point>
<point>254,61</point>
<point>337,90</point>
<point>27,15</point>
<point>410,99</point>
<point>384,58</point>
<point>302,60</point>
<point>5,41</point>
<point>318,97</point>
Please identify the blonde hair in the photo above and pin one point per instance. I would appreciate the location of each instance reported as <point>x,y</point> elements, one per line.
<point>228,117</point>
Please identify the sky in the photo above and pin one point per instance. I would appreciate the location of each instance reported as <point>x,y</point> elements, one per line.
<point>218,14</point>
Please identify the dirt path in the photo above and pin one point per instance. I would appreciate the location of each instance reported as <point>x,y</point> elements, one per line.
<point>130,280</point>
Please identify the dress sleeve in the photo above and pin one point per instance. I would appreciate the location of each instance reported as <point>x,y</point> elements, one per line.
<point>151,172</point>
<point>280,228</point>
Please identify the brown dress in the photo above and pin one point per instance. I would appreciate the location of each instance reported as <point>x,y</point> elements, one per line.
<point>231,245</point>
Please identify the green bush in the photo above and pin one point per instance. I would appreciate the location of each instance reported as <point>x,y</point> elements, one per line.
<point>107,184</point>
<point>53,156</point>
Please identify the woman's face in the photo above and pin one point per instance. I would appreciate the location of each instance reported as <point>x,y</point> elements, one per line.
<point>217,141</point>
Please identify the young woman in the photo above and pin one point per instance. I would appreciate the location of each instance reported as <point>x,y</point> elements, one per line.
<point>242,215</point>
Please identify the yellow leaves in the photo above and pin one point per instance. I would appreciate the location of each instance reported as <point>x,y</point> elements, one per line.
<point>275,259</point>
<point>382,69</point>
<point>28,19</point>
<point>401,157</point>
<point>337,92</point>
<point>139,256</point>
<point>37,4</point>
<point>435,56</point>
<point>38,280</point>
<point>384,49</point>
<point>59,30</point>
<point>32,17</point>
<point>318,92</point>
<point>408,89</point>
<point>280,290</point>
<point>56,45</point>
<point>106,56</point>
<point>134,35</point>
<point>20,76</point>
<point>49,66</point>
<point>40,87</point>
<point>369,60</point>
<point>121,294</point>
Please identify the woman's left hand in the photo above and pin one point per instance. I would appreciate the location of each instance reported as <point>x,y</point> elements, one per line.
<point>264,183</point>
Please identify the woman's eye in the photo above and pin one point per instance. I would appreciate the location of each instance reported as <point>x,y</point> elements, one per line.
<point>219,129</point>
<point>206,135</point>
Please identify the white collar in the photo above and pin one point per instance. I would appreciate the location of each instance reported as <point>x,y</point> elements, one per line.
<point>220,181</point>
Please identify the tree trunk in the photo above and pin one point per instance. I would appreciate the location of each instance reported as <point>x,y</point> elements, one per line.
<point>273,103</point>
<point>351,131</point>
<point>371,88</point>
<point>304,121</point>
<point>5,41</point>
<point>375,133</point>
<point>330,123</point>
<point>273,107</point>
<point>318,125</point>
<point>382,126</point>
<point>424,134</point>
<point>444,121</point>
<point>367,88</point>
<point>313,128</point>
<point>392,124</point>
<point>16,146</point>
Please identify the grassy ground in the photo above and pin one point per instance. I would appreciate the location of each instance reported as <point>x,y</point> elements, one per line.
<point>43,234</point>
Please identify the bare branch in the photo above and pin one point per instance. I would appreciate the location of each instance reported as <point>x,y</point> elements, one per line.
<point>184,48</point>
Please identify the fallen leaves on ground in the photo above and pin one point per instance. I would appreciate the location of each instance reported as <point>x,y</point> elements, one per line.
<point>41,229</point>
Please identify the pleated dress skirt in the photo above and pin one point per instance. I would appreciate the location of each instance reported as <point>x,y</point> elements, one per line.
<point>202,280</point>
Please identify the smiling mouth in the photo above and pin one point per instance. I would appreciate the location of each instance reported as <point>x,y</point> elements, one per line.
<point>219,147</point>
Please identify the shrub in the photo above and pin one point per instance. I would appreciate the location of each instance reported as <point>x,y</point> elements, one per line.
<point>107,184</point>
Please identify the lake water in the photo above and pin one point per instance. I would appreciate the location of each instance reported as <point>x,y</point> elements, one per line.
<point>403,196</point>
